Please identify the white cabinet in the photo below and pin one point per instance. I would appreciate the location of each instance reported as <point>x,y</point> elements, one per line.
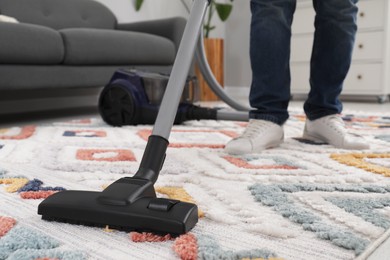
<point>370,69</point>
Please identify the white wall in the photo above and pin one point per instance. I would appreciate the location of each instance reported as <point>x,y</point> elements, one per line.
<point>237,64</point>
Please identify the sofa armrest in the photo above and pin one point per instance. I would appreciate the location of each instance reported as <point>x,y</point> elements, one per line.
<point>171,28</point>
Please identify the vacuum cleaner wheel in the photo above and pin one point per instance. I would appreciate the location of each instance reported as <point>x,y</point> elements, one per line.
<point>117,105</point>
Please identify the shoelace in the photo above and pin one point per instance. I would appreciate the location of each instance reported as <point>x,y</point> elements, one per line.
<point>337,123</point>
<point>254,128</point>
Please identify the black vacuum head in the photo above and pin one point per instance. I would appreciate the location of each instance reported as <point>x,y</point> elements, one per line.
<point>129,204</point>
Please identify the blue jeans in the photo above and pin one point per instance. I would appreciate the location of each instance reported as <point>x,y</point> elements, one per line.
<point>334,38</point>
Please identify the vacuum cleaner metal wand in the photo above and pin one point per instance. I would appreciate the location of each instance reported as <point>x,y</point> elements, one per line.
<point>170,102</point>
<point>177,80</point>
<point>130,203</point>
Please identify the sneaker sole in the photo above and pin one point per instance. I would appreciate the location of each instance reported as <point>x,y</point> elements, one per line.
<point>258,150</point>
<point>270,146</point>
<point>319,140</point>
<point>314,138</point>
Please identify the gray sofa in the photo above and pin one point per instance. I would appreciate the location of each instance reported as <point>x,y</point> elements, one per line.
<point>61,46</point>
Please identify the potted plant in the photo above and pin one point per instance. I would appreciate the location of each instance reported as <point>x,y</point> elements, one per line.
<point>214,47</point>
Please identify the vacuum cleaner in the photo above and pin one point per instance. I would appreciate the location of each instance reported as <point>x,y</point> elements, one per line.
<point>130,203</point>
<point>133,97</point>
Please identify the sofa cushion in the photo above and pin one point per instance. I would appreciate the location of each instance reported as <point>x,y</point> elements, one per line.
<point>59,14</point>
<point>109,47</point>
<point>30,44</point>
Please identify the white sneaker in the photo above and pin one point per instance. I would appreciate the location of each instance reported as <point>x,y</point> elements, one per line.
<point>258,136</point>
<point>331,129</point>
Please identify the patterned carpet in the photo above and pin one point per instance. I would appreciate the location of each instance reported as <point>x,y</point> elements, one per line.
<point>298,201</point>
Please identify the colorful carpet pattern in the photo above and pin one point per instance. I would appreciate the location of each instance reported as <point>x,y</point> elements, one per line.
<point>301,200</point>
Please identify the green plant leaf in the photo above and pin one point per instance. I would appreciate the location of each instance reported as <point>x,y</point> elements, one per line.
<point>223,10</point>
<point>209,28</point>
<point>138,4</point>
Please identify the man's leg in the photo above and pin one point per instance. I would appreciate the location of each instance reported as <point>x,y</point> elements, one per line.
<point>334,39</point>
<point>270,89</point>
<point>270,57</point>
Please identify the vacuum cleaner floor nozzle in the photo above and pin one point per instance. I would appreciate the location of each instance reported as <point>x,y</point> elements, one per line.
<point>145,214</point>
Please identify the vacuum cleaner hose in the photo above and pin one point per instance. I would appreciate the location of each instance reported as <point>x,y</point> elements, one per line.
<point>209,77</point>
